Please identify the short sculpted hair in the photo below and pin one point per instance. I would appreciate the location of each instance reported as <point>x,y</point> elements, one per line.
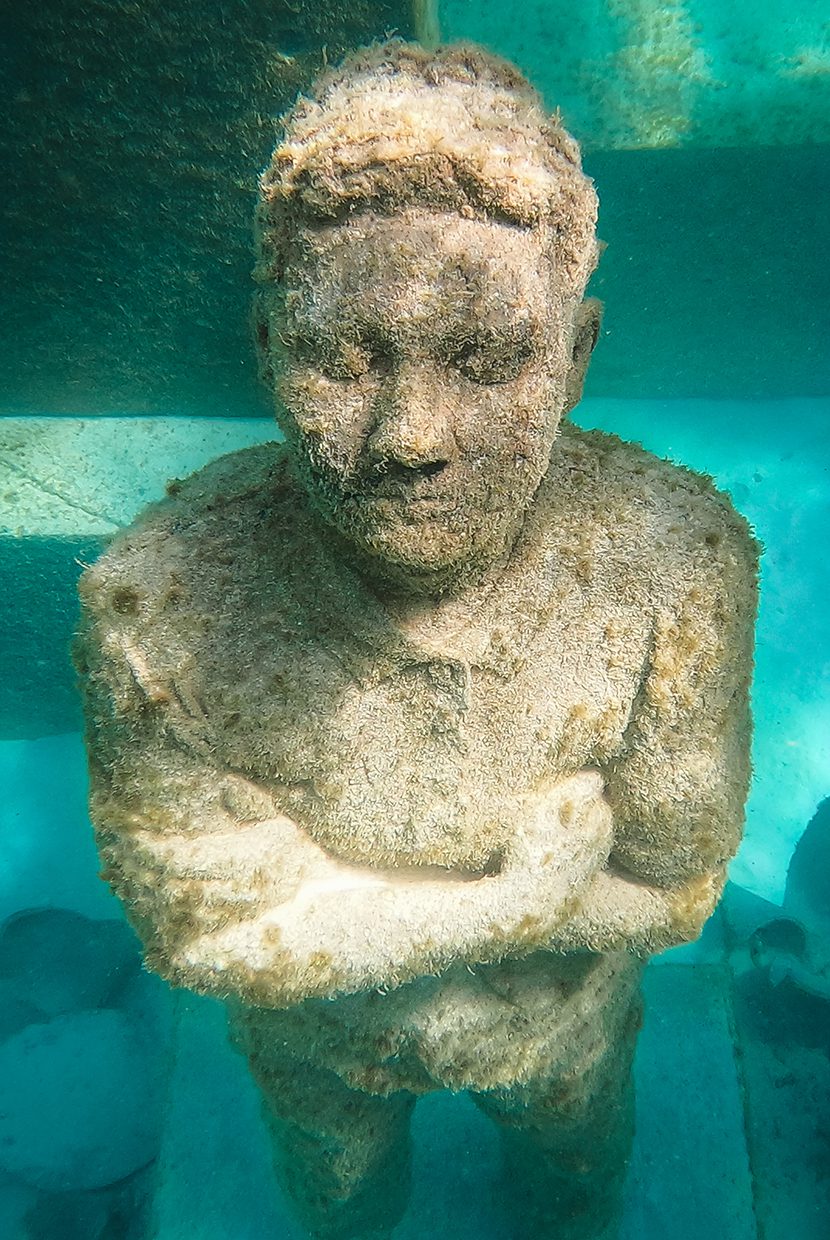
<point>454,129</point>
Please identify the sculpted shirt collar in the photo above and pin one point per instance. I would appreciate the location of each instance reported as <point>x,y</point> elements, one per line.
<point>491,626</point>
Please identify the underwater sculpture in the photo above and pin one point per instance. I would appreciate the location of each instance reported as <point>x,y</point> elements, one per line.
<point>413,737</point>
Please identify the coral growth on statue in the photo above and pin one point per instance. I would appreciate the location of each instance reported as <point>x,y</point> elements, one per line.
<point>413,735</point>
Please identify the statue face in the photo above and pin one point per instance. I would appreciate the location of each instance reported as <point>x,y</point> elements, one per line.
<point>422,366</point>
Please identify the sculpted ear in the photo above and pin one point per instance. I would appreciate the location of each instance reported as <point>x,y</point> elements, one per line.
<point>587,322</point>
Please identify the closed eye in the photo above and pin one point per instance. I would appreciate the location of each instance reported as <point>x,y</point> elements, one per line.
<point>491,359</point>
<point>343,359</point>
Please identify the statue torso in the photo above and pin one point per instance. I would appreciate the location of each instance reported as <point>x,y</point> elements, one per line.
<point>392,746</point>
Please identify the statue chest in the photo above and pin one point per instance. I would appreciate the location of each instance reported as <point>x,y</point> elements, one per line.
<point>421,759</point>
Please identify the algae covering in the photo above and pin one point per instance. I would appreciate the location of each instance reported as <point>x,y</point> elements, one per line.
<point>412,736</point>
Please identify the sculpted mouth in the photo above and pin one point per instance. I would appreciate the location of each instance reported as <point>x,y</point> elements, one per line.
<point>400,494</point>
<point>400,509</point>
<point>404,483</point>
<point>415,505</point>
<point>415,490</point>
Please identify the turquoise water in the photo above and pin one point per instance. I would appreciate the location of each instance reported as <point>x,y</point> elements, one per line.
<point>122,1110</point>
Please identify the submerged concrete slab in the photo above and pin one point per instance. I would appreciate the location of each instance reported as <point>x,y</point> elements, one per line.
<point>66,486</point>
<point>660,73</point>
<point>87,477</point>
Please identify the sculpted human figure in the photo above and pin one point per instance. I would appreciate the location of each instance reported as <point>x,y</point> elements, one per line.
<point>412,736</point>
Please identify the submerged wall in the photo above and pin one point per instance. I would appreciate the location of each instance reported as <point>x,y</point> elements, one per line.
<point>129,160</point>
<point>136,132</point>
<point>645,74</point>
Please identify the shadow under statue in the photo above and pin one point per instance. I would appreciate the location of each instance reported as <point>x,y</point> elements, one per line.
<point>412,737</point>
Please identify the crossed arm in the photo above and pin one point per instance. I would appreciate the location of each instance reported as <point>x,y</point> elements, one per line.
<point>231,897</point>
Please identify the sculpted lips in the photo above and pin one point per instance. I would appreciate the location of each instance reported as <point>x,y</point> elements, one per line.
<point>411,512</point>
<point>423,489</point>
<point>408,509</point>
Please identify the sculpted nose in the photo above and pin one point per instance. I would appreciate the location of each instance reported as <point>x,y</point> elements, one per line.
<point>413,425</point>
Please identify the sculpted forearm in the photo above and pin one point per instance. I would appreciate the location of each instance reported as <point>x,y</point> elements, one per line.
<point>180,886</point>
<point>261,911</point>
<point>618,913</point>
<point>345,928</point>
<point>343,935</point>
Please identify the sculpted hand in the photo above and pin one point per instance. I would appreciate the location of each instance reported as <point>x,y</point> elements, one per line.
<point>563,837</point>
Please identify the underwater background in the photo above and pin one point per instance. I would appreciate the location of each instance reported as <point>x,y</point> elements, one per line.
<point>135,132</point>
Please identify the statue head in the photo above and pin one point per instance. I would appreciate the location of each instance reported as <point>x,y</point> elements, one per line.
<point>425,235</point>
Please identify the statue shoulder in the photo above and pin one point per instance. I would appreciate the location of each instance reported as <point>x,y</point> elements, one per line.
<point>160,561</point>
<point>659,522</point>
